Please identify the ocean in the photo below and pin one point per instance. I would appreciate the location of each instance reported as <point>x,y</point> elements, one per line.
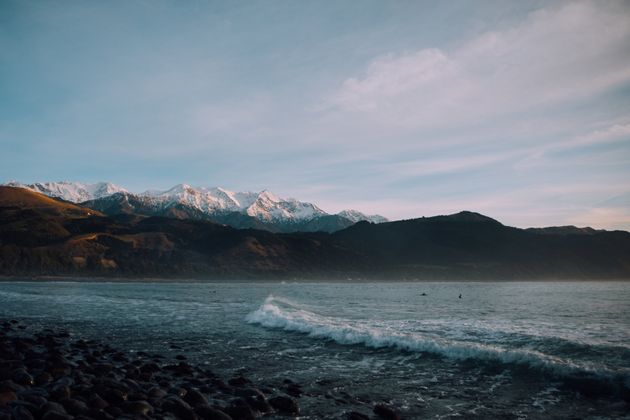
<point>510,350</point>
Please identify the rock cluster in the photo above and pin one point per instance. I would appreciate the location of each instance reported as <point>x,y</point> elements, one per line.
<point>49,375</point>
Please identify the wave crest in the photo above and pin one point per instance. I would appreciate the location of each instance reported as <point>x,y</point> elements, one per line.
<point>279,313</point>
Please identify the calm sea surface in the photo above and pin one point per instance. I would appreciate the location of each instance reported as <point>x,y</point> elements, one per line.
<point>502,350</point>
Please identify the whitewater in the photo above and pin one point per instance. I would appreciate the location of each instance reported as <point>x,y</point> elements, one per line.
<point>502,350</point>
<point>282,313</point>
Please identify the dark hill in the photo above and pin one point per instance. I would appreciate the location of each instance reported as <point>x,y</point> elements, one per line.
<point>42,236</point>
<point>469,245</point>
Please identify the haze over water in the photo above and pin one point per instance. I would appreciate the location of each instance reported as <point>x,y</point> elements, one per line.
<point>504,350</point>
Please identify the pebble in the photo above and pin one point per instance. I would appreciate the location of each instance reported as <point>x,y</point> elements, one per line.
<point>285,404</point>
<point>53,415</point>
<point>21,376</point>
<point>178,407</point>
<point>74,406</point>
<point>9,385</point>
<point>138,408</point>
<point>386,412</point>
<point>354,415</point>
<point>21,413</point>
<point>52,406</point>
<point>209,413</point>
<point>195,398</point>
<point>157,392</point>
<point>43,378</point>
<point>97,402</point>
<point>60,392</point>
<point>6,397</point>
<point>239,409</point>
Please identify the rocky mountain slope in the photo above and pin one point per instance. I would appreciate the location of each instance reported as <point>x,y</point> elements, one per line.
<point>40,236</point>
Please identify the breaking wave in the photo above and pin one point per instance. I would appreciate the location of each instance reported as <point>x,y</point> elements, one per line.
<point>279,313</point>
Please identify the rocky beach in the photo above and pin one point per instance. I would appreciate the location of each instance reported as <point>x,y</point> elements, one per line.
<point>49,374</point>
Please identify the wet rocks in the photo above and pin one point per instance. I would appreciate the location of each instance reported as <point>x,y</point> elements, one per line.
<point>210,413</point>
<point>60,392</point>
<point>6,397</point>
<point>137,408</point>
<point>52,407</point>
<point>239,409</point>
<point>43,379</point>
<point>102,368</point>
<point>21,377</point>
<point>74,406</point>
<point>20,412</point>
<point>285,404</point>
<point>195,398</point>
<point>354,415</point>
<point>294,390</point>
<point>9,385</point>
<point>95,401</point>
<point>56,378</point>
<point>156,392</point>
<point>386,412</point>
<point>178,407</point>
<point>53,415</point>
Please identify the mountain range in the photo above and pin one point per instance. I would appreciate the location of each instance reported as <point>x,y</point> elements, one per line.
<point>262,210</point>
<point>43,236</point>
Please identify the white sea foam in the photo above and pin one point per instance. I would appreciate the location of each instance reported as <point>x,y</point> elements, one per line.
<point>284,314</point>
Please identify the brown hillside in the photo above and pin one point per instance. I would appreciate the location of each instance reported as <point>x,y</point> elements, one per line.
<point>27,199</point>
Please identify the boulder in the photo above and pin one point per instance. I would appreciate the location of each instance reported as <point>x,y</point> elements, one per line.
<point>386,412</point>
<point>206,412</point>
<point>285,404</point>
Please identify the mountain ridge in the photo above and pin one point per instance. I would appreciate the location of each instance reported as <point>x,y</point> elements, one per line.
<point>215,204</point>
<point>40,236</point>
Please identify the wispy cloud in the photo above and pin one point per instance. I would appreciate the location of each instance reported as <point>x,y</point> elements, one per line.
<point>556,55</point>
<point>508,108</point>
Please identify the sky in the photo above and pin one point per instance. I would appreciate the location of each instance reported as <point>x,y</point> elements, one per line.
<point>518,110</point>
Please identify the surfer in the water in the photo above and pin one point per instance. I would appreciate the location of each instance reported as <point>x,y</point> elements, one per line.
<point>460,295</point>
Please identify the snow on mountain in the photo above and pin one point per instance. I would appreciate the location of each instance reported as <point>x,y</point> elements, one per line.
<point>269,207</point>
<point>264,206</point>
<point>75,192</point>
<point>357,216</point>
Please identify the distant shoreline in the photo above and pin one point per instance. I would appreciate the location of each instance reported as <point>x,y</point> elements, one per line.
<point>99,279</point>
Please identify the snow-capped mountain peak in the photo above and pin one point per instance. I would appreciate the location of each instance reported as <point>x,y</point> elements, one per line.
<point>75,192</point>
<point>268,196</point>
<point>264,205</point>
<point>357,216</point>
<point>179,189</point>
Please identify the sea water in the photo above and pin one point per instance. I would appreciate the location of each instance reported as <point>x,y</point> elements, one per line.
<point>501,350</point>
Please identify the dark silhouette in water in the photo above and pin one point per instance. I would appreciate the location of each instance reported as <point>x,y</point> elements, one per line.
<point>460,295</point>
<point>423,294</point>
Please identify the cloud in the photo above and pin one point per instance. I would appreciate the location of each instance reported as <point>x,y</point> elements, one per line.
<point>610,134</point>
<point>554,56</point>
<point>596,142</point>
<point>446,165</point>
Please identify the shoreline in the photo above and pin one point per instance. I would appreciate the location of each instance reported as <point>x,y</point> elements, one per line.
<point>48,374</point>
<point>167,280</point>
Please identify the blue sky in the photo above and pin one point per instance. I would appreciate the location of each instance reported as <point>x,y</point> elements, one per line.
<point>518,110</point>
